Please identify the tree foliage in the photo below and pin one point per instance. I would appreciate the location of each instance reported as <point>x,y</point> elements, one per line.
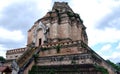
<point>35,57</point>
<point>58,48</point>
<point>2,59</point>
<point>113,65</point>
<point>52,71</point>
<point>101,69</point>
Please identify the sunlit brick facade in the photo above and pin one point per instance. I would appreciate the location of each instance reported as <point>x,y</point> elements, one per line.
<point>60,40</point>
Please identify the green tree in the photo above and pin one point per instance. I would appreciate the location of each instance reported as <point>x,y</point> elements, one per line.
<point>2,59</point>
<point>113,65</point>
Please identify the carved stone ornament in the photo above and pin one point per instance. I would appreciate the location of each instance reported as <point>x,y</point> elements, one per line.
<point>15,67</point>
<point>40,26</point>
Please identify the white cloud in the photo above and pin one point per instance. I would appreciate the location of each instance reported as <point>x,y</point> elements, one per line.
<point>2,50</point>
<point>2,47</point>
<point>4,3</point>
<point>15,35</point>
<point>106,47</point>
<point>108,35</point>
<point>118,47</point>
<point>44,6</point>
<point>105,50</point>
<point>2,53</point>
<point>115,57</point>
<point>114,22</point>
<point>92,12</point>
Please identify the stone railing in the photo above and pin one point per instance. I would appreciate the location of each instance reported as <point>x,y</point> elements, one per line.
<point>26,56</point>
<point>15,51</point>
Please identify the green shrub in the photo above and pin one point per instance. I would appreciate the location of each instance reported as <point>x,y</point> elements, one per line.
<point>101,69</point>
<point>58,48</point>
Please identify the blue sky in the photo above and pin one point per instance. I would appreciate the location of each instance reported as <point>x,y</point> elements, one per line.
<point>101,17</point>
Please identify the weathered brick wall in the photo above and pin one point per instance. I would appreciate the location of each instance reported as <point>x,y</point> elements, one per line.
<point>63,31</point>
<point>29,39</point>
<point>108,67</point>
<point>54,31</point>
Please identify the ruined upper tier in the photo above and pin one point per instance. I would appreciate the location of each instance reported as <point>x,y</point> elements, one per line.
<point>61,24</point>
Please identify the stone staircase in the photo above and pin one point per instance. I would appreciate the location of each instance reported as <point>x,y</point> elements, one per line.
<point>26,59</point>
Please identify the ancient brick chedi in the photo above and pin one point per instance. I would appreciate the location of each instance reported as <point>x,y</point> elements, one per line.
<point>58,44</point>
<point>60,24</point>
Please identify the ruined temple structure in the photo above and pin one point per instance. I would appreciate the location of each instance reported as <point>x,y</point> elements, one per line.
<point>58,44</point>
